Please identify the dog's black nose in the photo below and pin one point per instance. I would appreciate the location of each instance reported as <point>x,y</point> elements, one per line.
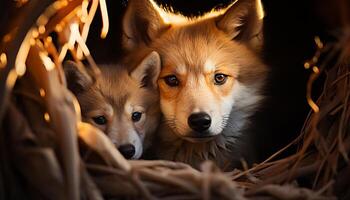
<point>199,122</point>
<point>127,150</point>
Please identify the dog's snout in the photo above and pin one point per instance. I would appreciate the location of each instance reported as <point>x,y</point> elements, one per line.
<point>199,122</point>
<point>127,150</point>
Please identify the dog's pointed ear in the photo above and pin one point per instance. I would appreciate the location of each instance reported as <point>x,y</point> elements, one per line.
<point>77,82</point>
<point>142,23</point>
<point>243,21</point>
<point>147,72</point>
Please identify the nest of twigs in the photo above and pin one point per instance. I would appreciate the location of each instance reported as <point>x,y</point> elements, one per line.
<point>41,126</point>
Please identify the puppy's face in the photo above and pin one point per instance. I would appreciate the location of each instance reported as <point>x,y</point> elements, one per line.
<point>210,64</point>
<point>203,80</point>
<point>114,108</point>
<point>124,105</point>
<point>196,105</point>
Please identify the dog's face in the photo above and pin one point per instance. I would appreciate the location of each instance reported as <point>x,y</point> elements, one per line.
<point>200,82</point>
<point>209,65</point>
<point>123,105</point>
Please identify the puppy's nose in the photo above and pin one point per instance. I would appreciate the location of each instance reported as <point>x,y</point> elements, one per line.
<point>199,121</point>
<point>127,150</point>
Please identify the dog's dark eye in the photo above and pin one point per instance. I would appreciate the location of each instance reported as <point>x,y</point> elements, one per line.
<point>220,79</point>
<point>171,80</point>
<point>100,120</point>
<point>136,116</point>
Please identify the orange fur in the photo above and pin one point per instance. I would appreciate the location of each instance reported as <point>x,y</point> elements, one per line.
<point>194,51</point>
<point>116,94</point>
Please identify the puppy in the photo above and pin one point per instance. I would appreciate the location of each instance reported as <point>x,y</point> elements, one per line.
<point>211,76</point>
<point>123,102</point>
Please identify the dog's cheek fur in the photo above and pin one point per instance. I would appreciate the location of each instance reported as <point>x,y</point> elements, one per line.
<point>168,108</point>
<point>223,102</point>
<point>167,99</point>
<point>166,92</point>
<point>224,109</point>
<point>152,115</point>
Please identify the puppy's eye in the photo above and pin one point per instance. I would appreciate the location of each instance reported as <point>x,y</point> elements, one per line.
<point>171,80</point>
<point>220,79</point>
<point>100,120</point>
<point>136,116</point>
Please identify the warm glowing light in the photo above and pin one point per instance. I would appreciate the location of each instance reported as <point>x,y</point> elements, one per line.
<point>58,4</point>
<point>75,34</point>
<point>35,33</point>
<point>58,28</point>
<point>32,41</point>
<point>3,60</point>
<point>313,76</point>
<point>11,79</point>
<point>42,92</point>
<point>64,3</point>
<point>90,17</point>
<point>41,29</point>
<point>22,55</point>
<point>49,39</point>
<point>318,42</point>
<point>169,17</point>
<point>260,9</point>
<point>47,117</point>
<point>79,13</point>
<point>306,65</point>
<point>105,20</point>
<point>313,105</point>
<point>21,69</point>
<point>42,19</point>
<point>83,46</point>
<point>74,30</point>
<point>63,52</point>
<point>84,11</point>
<point>315,69</point>
<point>86,27</point>
<point>49,65</point>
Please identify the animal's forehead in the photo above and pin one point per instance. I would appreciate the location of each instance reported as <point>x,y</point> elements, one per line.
<point>182,69</point>
<point>198,52</point>
<point>186,46</point>
<point>210,66</point>
<point>117,87</point>
<point>201,55</point>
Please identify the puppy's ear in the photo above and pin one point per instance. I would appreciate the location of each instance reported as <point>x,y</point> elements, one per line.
<point>142,22</point>
<point>77,82</point>
<point>147,72</point>
<point>243,21</point>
